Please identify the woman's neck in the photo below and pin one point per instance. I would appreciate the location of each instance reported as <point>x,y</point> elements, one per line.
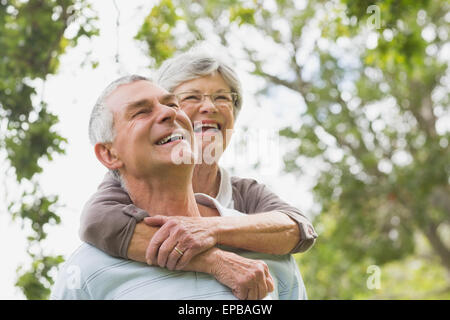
<point>169,196</point>
<point>206,179</point>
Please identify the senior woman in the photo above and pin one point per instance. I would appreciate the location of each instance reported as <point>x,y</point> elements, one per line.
<point>210,93</point>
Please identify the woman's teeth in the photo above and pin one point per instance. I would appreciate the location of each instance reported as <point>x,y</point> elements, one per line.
<point>206,126</point>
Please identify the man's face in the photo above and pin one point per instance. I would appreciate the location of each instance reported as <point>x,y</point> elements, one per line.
<point>150,128</point>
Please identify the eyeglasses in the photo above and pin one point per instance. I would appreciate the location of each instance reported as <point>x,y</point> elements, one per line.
<point>219,99</point>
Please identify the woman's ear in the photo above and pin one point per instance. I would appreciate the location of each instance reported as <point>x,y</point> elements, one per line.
<point>107,156</point>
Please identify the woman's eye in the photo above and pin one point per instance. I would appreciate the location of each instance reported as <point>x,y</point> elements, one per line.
<point>222,98</point>
<point>196,98</point>
<point>174,105</point>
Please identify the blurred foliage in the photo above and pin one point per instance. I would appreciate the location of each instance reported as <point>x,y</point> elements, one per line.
<point>32,40</point>
<point>374,81</point>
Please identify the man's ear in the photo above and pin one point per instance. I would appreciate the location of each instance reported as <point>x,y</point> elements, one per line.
<point>107,156</point>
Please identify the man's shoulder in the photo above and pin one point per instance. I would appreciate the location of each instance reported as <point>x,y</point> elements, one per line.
<point>88,260</point>
<point>87,254</point>
<point>75,273</point>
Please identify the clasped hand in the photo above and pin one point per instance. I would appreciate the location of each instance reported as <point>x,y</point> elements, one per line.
<point>181,238</point>
<point>190,235</point>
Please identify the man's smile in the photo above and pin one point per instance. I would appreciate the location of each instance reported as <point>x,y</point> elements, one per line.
<point>171,138</point>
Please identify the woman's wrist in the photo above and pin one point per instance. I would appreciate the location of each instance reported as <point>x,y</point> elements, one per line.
<point>207,262</point>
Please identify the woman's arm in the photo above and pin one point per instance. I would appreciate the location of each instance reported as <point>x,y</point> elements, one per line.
<point>257,200</point>
<point>271,226</point>
<point>109,222</point>
<point>269,232</point>
<point>109,218</point>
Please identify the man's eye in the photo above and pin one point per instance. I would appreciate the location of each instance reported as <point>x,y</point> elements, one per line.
<point>173,105</point>
<point>143,111</point>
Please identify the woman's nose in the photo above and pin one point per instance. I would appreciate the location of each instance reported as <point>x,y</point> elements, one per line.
<point>207,105</point>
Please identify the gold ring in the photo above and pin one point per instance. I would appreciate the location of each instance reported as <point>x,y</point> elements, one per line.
<point>179,251</point>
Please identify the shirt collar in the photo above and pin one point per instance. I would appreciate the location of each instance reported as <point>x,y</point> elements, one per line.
<point>225,194</point>
<point>211,202</point>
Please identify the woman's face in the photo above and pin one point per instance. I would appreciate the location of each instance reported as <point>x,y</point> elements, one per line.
<point>213,121</point>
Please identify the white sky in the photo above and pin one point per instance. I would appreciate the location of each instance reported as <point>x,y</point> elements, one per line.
<point>75,176</point>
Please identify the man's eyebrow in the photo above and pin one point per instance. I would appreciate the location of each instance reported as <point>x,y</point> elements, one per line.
<point>130,106</point>
<point>137,104</point>
<point>168,97</point>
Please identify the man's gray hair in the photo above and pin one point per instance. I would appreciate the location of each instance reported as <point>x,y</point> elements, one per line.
<point>198,62</point>
<point>101,123</point>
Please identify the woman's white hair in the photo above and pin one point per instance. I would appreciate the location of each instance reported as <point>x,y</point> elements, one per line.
<point>198,62</point>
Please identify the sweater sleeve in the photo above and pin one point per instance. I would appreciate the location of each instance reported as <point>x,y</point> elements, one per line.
<point>253,197</point>
<point>109,218</point>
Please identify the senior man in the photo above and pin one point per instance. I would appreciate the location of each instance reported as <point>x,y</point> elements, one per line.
<point>149,128</point>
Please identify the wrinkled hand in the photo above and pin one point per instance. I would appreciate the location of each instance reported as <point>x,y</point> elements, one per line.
<point>248,279</point>
<point>191,235</point>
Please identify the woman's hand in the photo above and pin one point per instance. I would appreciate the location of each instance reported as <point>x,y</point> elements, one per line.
<point>190,235</point>
<point>248,279</point>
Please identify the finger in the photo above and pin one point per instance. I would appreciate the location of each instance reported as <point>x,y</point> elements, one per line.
<point>253,293</point>
<point>260,285</point>
<point>269,280</point>
<point>184,260</point>
<point>240,294</point>
<point>159,237</point>
<point>174,257</point>
<point>155,221</point>
<point>262,289</point>
<point>166,248</point>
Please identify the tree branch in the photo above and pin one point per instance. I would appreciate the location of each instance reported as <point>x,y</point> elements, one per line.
<point>439,247</point>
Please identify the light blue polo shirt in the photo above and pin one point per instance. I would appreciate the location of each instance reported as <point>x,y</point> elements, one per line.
<point>90,273</point>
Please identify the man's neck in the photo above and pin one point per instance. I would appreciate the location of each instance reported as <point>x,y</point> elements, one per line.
<point>169,196</point>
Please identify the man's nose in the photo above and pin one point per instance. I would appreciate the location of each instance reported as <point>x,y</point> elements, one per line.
<point>166,114</point>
